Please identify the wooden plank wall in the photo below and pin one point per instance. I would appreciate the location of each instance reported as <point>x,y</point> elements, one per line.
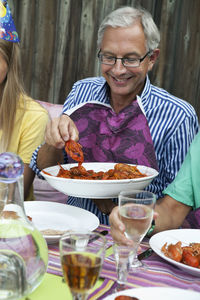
<point>58,41</point>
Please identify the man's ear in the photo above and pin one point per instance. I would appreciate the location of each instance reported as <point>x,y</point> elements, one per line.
<point>153,58</point>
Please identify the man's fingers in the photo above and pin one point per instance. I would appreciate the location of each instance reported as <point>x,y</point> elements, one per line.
<point>118,228</point>
<point>59,130</point>
<point>52,134</point>
<point>68,129</point>
<point>115,221</point>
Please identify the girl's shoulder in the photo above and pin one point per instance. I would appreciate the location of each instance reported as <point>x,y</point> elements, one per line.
<point>30,105</point>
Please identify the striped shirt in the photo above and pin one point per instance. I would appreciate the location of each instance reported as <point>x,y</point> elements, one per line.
<point>172,122</point>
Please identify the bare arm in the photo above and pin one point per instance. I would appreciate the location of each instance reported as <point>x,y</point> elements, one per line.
<point>171,214</point>
<point>105,205</point>
<point>49,156</point>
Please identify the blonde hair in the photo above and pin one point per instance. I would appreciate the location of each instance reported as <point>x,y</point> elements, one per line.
<point>10,91</point>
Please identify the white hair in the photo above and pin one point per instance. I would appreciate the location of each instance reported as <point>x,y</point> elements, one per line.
<point>125,17</point>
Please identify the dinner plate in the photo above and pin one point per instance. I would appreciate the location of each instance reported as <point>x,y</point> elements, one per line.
<point>60,217</point>
<point>157,293</point>
<point>186,236</point>
<point>97,189</point>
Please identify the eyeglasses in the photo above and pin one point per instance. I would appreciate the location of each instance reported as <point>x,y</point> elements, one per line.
<point>127,62</point>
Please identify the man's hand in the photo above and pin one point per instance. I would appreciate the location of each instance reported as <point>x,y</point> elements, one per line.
<point>118,228</point>
<point>59,130</point>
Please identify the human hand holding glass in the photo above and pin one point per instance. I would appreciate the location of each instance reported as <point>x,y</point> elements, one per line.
<point>136,212</point>
<point>81,260</point>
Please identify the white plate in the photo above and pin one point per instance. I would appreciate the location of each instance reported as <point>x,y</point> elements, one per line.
<point>58,216</point>
<point>158,293</point>
<point>186,236</point>
<point>101,189</point>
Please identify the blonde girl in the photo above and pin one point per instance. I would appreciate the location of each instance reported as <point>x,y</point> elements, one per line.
<point>22,120</point>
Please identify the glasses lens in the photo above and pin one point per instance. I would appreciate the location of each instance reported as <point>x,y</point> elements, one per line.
<point>131,62</point>
<point>108,60</point>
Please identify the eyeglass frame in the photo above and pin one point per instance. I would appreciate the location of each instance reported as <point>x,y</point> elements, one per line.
<point>99,55</point>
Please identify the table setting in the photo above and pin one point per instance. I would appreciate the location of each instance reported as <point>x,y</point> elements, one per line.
<point>156,272</point>
<point>157,275</point>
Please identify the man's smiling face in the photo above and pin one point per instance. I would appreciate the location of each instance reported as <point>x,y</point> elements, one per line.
<point>126,42</point>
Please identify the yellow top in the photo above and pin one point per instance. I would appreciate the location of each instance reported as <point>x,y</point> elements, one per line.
<point>29,128</point>
<point>28,132</point>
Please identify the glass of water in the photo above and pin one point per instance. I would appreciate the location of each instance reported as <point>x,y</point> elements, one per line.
<point>136,212</point>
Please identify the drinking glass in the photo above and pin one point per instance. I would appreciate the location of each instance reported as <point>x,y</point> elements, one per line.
<point>123,260</point>
<point>82,254</point>
<point>136,212</point>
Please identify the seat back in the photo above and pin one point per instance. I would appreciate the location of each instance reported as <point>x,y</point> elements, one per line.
<point>42,190</point>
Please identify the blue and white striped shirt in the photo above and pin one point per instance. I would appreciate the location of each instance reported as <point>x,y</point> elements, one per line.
<point>172,122</point>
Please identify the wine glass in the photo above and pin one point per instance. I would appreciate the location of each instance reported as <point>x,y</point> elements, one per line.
<point>81,259</point>
<point>136,212</point>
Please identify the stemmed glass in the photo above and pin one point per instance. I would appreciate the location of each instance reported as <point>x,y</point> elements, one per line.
<point>81,259</point>
<point>136,211</point>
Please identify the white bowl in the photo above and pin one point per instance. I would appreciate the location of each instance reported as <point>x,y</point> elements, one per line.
<point>97,189</point>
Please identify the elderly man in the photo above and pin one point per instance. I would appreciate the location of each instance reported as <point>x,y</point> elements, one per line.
<point>122,117</point>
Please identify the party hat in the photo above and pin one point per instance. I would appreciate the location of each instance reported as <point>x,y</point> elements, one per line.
<point>7,27</point>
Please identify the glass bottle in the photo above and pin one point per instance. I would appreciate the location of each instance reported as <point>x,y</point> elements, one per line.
<point>19,239</point>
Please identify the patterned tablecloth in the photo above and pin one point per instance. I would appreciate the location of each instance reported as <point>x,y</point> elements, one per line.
<point>158,272</point>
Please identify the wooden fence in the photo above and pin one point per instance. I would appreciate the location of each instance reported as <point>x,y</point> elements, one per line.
<point>58,41</point>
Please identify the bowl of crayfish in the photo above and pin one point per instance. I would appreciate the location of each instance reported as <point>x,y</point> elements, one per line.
<point>97,180</point>
<point>95,183</point>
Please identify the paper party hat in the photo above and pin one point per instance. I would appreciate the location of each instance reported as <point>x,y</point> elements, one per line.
<point>7,27</point>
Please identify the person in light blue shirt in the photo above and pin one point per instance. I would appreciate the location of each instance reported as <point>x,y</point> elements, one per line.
<point>121,116</point>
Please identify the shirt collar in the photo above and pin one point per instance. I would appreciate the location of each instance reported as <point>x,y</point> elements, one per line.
<point>147,90</point>
<point>103,91</point>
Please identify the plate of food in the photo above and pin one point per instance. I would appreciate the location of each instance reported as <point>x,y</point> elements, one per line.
<point>155,293</point>
<point>96,180</point>
<point>180,247</point>
<point>54,219</point>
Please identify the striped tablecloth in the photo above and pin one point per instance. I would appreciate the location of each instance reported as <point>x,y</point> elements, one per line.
<point>158,272</point>
<point>54,265</point>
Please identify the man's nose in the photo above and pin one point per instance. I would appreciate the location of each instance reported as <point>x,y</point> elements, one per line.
<point>119,67</point>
